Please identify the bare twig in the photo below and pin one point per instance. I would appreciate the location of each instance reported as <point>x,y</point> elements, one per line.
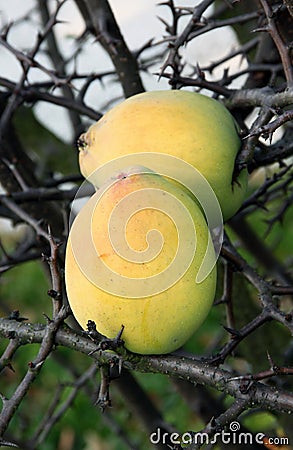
<point>59,64</point>
<point>48,341</point>
<point>265,374</point>
<point>247,151</point>
<point>266,97</point>
<point>263,287</point>
<point>227,296</point>
<point>56,292</point>
<point>268,129</point>
<point>57,410</point>
<point>27,61</point>
<point>281,46</point>
<point>108,34</point>
<point>32,94</point>
<point>25,217</point>
<point>104,400</point>
<point>257,247</point>
<point>180,40</point>
<point>199,81</point>
<point>261,196</point>
<point>218,423</point>
<point>5,360</point>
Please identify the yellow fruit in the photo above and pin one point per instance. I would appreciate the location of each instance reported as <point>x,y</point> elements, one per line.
<point>132,258</point>
<point>190,126</point>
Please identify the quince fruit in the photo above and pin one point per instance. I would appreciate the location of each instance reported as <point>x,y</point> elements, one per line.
<point>190,126</point>
<point>132,259</point>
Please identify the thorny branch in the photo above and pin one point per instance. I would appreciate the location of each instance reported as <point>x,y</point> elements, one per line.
<point>106,30</point>
<point>177,366</point>
<point>283,49</point>
<point>267,278</point>
<point>47,343</point>
<point>59,64</point>
<point>27,62</point>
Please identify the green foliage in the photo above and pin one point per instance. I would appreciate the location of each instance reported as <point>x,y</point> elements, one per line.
<point>48,151</point>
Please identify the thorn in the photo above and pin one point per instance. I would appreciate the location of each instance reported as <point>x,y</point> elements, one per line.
<point>165,23</point>
<point>260,29</point>
<point>273,366</point>
<point>33,367</point>
<point>234,333</point>
<point>112,344</point>
<point>199,72</point>
<point>58,21</point>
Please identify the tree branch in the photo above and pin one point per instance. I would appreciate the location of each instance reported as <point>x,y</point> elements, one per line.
<point>176,366</point>
<point>109,35</point>
<point>281,46</point>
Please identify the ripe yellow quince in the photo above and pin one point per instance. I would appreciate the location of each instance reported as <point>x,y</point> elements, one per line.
<point>132,258</point>
<point>190,126</point>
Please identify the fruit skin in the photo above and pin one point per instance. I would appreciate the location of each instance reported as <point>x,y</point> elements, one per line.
<point>156,324</point>
<point>190,126</point>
